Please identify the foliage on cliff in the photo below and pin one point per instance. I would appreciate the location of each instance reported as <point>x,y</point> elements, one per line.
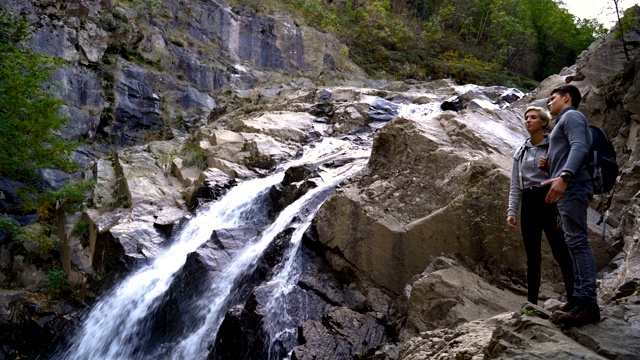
<point>28,108</point>
<point>487,42</point>
<point>29,119</point>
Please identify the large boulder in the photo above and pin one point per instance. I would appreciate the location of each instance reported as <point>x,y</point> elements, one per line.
<point>435,184</point>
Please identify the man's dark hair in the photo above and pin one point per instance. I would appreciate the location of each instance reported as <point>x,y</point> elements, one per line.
<point>572,91</point>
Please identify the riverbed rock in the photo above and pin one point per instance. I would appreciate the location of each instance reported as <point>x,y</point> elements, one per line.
<point>448,295</point>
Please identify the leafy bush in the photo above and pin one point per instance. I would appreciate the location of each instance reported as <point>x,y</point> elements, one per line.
<point>56,280</point>
<point>193,156</point>
<point>69,198</point>
<point>40,236</point>
<point>116,21</point>
<point>148,6</point>
<point>81,230</point>
<point>530,312</point>
<point>12,228</point>
<point>629,19</point>
<point>35,233</point>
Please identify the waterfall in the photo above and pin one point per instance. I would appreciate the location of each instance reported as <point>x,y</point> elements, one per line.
<point>222,293</point>
<point>116,326</point>
<point>281,325</point>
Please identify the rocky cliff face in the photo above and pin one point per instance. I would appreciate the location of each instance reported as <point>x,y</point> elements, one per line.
<point>409,259</point>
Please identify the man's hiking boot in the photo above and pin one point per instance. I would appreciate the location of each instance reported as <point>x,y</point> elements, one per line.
<point>565,308</point>
<point>582,314</point>
<point>569,305</point>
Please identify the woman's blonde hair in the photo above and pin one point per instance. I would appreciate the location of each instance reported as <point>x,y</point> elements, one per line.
<point>543,113</point>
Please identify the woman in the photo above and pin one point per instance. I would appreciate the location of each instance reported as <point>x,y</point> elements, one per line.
<point>537,215</point>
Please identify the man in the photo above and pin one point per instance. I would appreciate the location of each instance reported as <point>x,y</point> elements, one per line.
<point>571,188</point>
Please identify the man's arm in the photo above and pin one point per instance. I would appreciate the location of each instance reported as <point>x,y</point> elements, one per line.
<point>576,129</point>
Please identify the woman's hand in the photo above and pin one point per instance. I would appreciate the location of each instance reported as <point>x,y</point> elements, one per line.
<point>543,164</point>
<point>512,221</point>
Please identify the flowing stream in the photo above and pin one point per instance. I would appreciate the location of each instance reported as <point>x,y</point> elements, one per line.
<point>117,325</point>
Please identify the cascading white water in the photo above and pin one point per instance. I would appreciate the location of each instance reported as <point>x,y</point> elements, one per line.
<point>112,329</point>
<point>195,345</point>
<point>115,326</point>
<point>280,325</point>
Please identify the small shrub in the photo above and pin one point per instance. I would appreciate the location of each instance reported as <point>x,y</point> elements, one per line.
<point>12,228</point>
<point>197,159</point>
<point>35,233</point>
<point>194,156</point>
<point>529,312</point>
<point>149,6</point>
<point>81,231</point>
<point>175,40</point>
<point>69,198</point>
<point>39,236</point>
<point>56,280</point>
<point>116,21</point>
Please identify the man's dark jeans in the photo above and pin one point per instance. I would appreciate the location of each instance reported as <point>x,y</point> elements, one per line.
<point>573,212</point>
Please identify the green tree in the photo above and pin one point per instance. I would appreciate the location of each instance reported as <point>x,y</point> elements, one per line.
<point>29,116</point>
<point>560,37</point>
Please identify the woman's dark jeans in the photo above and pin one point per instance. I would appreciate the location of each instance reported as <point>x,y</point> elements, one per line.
<point>536,216</point>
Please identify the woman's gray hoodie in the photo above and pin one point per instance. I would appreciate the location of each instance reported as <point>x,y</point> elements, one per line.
<point>525,172</point>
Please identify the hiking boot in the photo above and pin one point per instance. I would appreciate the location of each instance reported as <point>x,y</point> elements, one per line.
<point>582,314</point>
<point>565,308</point>
<point>569,305</point>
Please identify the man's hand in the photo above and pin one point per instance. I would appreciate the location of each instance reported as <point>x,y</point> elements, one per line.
<point>512,221</point>
<point>558,187</point>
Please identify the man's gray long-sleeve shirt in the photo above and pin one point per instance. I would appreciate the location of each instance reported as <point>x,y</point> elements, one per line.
<point>569,143</point>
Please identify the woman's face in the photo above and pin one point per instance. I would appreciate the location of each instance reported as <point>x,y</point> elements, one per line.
<point>532,122</point>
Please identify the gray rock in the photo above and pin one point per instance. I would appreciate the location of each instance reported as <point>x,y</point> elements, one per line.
<point>10,202</point>
<point>80,87</point>
<point>81,124</point>
<point>350,333</point>
<point>53,179</point>
<point>448,295</point>
<point>616,336</point>
<point>138,104</point>
<point>382,110</point>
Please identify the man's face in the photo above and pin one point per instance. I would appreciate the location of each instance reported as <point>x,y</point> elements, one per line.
<point>557,102</point>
